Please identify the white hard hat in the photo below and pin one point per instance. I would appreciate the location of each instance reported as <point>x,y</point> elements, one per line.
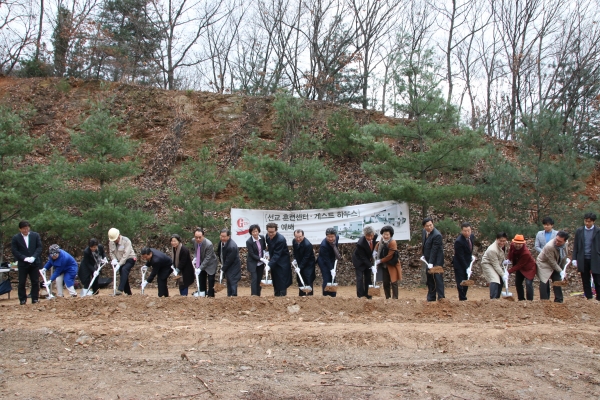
<point>113,234</point>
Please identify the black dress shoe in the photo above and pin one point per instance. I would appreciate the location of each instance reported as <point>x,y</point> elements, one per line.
<point>23,302</point>
<point>34,301</point>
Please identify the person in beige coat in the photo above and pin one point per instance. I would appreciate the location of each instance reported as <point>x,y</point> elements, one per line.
<point>550,263</point>
<point>492,264</point>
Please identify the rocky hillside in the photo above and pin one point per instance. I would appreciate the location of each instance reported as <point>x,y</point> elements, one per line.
<point>172,125</point>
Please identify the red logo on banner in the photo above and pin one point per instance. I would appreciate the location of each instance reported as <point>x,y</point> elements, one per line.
<point>242,223</point>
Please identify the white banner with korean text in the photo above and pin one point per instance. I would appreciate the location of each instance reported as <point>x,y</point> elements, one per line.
<point>348,221</point>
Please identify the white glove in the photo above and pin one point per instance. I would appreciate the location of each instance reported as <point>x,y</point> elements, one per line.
<point>265,261</point>
<point>43,270</point>
<point>295,264</point>
<point>563,275</point>
<point>297,270</point>
<point>429,266</point>
<point>574,262</point>
<point>197,271</point>
<point>114,263</point>
<point>96,273</point>
<point>374,254</point>
<point>377,262</point>
<point>49,282</point>
<point>266,255</point>
<point>104,261</point>
<point>374,270</point>
<point>505,263</point>
<point>568,260</point>
<point>29,260</point>
<point>175,271</point>
<point>144,283</point>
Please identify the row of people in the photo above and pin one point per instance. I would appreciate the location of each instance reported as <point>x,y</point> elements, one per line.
<point>370,258</point>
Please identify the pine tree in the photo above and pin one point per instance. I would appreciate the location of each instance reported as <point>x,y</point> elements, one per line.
<point>436,151</point>
<point>194,205</point>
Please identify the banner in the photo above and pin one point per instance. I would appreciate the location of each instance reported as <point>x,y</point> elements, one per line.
<point>348,221</point>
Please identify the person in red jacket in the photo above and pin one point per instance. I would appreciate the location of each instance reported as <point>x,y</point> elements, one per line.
<point>524,267</point>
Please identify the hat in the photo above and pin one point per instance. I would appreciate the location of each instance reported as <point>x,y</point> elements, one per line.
<point>519,239</point>
<point>113,234</point>
<point>54,250</point>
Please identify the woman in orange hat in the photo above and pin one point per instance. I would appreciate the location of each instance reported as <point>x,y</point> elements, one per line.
<point>523,266</point>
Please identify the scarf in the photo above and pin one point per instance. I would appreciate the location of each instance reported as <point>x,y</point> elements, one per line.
<point>562,252</point>
<point>384,245</point>
<point>97,259</point>
<point>338,256</point>
<point>176,252</point>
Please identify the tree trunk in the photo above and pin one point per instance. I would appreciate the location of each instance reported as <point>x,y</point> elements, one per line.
<point>38,42</point>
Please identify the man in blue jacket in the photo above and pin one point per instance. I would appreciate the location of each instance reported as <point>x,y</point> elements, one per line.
<point>26,247</point>
<point>433,251</point>
<point>328,254</point>
<point>304,258</point>
<point>64,266</point>
<point>279,261</point>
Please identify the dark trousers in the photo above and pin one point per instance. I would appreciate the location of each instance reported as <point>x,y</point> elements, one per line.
<point>305,275</point>
<point>388,284</point>
<point>363,280</point>
<point>255,278</point>
<point>124,274</point>
<point>519,279</point>
<point>435,285</point>
<point>326,273</point>
<point>211,283</point>
<point>461,275</point>
<point>495,290</point>
<point>278,275</point>
<point>231,288</point>
<point>183,290</point>
<point>586,279</point>
<point>161,282</point>
<point>545,289</point>
<point>33,272</point>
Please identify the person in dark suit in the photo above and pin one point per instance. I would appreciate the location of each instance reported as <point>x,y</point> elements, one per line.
<point>256,250</point>
<point>93,257</point>
<point>304,258</point>
<point>433,251</point>
<point>463,251</point>
<point>205,262</point>
<point>279,261</point>
<point>161,268</point>
<point>182,261</point>
<point>586,255</point>
<point>328,254</point>
<point>26,248</point>
<point>362,258</point>
<point>230,261</point>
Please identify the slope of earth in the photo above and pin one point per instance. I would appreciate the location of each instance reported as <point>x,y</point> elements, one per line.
<point>299,348</point>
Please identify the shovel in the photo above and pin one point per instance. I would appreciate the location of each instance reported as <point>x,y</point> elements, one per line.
<point>563,275</point>
<point>115,269</point>
<point>374,290</point>
<point>47,285</point>
<point>304,288</point>
<point>88,291</point>
<point>432,270</point>
<point>266,282</point>
<point>219,285</point>
<point>198,293</point>
<point>331,286</point>
<point>506,294</point>
<point>469,282</point>
<point>144,271</point>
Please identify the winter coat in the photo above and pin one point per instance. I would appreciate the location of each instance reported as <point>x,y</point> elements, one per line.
<point>304,255</point>
<point>230,261</point>
<point>208,258</point>
<point>65,265</point>
<point>122,251</point>
<point>522,261</point>
<point>579,250</point>
<point>491,263</point>
<point>185,267</point>
<point>387,253</point>
<point>279,262</point>
<point>433,248</point>
<point>88,265</point>
<point>362,258</point>
<point>549,261</point>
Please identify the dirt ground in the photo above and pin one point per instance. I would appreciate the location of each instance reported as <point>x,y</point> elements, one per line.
<point>143,347</point>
